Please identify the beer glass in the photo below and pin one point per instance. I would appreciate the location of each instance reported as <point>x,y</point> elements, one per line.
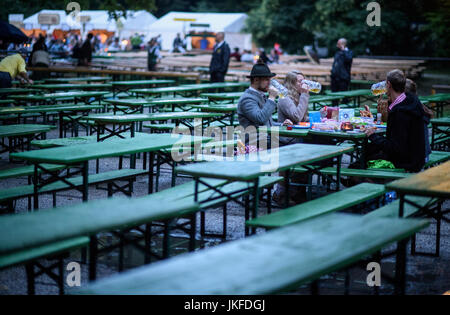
<point>379,88</point>
<point>313,86</point>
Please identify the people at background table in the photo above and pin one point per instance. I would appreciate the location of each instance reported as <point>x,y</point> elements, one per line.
<point>341,69</point>
<point>153,55</point>
<point>136,42</point>
<point>294,106</point>
<point>236,54</point>
<point>247,56</point>
<point>178,44</point>
<point>84,53</point>
<point>218,66</point>
<point>404,143</point>
<point>263,56</point>
<point>39,57</point>
<point>275,53</point>
<point>12,67</point>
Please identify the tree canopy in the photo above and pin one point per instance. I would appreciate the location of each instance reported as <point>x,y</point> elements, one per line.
<point>408,27</point>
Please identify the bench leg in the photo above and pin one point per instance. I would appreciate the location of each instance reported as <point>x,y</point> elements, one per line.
<point>29,268</point>
<point>147,238</point>
<point>400,268</point>
<point>224,234</point>
<point>193,230</point>
<point>93,258</point>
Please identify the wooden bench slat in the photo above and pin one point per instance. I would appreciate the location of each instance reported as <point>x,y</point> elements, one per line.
<point>391,209</point>
<point>28,190</point>
<point>31,254</point>
<point>27,170</point>
<point>330,203</point>
<point>267,263</point>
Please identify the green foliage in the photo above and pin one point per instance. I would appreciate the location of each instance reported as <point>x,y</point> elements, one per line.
<point>437,29</point>
<point>280,21</point>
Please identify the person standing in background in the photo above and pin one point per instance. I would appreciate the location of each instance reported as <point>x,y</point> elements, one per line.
<point>341,69</point>
<point>220,59</point>
<point>153,55</point>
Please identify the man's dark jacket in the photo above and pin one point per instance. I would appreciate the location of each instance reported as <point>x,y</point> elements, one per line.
<point>342,65</point>
<point>220,59</point>
<point>404,143</point>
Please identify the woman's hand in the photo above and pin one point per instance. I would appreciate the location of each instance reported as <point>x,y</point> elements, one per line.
<point>287,122</point>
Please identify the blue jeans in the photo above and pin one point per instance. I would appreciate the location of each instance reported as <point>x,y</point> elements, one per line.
<point>5,80</point>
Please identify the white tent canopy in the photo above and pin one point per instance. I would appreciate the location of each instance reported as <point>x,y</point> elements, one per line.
<point>138,22</point>
<point>230,23</point>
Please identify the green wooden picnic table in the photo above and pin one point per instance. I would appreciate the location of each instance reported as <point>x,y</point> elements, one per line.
<point>438,101</point>
<point>5,102</point>
<point>284,132</point>
<point>321,100</point>
<point>356,95</point>
<point>440,131</point>
<point>220,85</point>
<point>359,139</point>
<point>16,91</point>
<point>176,90</point>
<point>66,110</point>
<point>51,88</point>
<point>217,97</point>
<point>269,263</point>
<point>125,86</point>
<point>178,102</point>
<point>80,79</point>
<point>45,228</point>
<point>21,135</point>
<point>248,168</point>
<point>229,110</point>
<point>433,182</point>
<point>52,98</point>
<point>80,155</point>
<point>130,106</point>
<point>124,123</point>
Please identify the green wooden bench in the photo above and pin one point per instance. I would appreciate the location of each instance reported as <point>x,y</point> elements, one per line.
<point>391,211</point>
<point>27,170</point>
<point>8,195</point>
<point>337,201</point>
<point>272,262</point>
<point>29,257</point>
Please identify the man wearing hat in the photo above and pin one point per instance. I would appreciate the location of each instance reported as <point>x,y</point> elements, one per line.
<point>14,66</point>
<point>254,107</point>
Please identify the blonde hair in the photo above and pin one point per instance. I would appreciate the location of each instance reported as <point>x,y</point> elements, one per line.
<point>289,82</point>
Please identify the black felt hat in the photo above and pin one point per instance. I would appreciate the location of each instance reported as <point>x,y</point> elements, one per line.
<point>260,70</point>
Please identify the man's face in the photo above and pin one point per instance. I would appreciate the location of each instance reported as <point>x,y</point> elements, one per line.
<point>219,37</point>
<point>340,44</point>
<point>389,90</point>
<point>262,84</point>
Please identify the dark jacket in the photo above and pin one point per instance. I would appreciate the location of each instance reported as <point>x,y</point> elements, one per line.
<point>404,143</point>
<point>220,59</point>
<point>342,65</point>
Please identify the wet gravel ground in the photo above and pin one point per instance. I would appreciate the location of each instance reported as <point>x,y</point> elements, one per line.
<point>425,275</point>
